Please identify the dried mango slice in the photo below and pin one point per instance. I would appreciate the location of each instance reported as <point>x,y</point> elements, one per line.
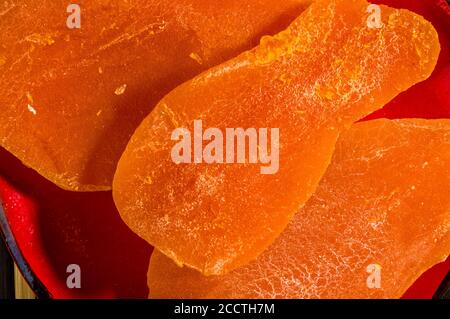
<point>327,70</point>
<point>383,206</point>
<point>71,98</point>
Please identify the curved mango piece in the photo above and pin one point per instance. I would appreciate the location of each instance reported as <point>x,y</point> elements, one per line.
<point>379,219</point>
<point>71,98</point>
<point>327,70</point>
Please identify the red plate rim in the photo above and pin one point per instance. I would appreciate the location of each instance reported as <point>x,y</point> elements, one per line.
<point>41,292</point>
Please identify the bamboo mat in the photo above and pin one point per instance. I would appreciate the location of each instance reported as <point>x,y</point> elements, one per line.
<point>12,284</point>
<point>22,290</point>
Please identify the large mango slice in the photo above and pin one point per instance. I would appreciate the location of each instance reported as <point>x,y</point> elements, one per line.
<point>330,68</point>
<point>379,219</point>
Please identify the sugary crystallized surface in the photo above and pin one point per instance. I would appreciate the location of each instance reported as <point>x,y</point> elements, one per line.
<point>313,80</point>
<point>384,201</point>
<point>71,98</point>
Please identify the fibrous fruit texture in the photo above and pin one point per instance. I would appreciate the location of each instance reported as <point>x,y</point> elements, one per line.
<point>328,69</point>
<point>76,81</point>
<point>379,218</point>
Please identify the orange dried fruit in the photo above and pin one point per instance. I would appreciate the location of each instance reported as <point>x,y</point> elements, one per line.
<point>311,81</point>
<point>383,206</point>
<point>71,98</point>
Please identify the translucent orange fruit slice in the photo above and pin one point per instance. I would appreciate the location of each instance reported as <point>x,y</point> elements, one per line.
<point>330,68</point>
<point>379,219</point>
<point>72,97</point>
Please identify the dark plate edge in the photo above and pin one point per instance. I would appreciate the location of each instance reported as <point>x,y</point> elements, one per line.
<point>33,281</point>
<point>443,291</point>
<point>41,292</point>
